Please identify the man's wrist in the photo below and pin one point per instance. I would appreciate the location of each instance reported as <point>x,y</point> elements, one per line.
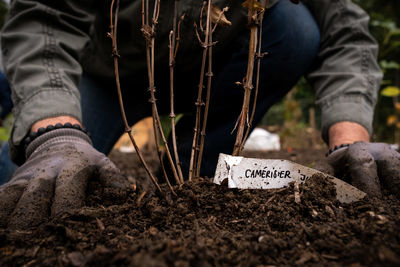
<point>65,133</point>
<point>347,133</point>
<point>53,121</point>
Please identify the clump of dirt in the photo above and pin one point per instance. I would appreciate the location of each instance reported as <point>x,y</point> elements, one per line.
<point>211,225</point>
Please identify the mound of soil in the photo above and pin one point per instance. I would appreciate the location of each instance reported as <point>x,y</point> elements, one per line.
<point>211,225</point>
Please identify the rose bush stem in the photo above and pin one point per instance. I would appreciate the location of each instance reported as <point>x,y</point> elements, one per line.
<point>248,86</point>
<point>199,102</point>
<point>128,129</point>
<point>259,56</point>
<point>172,54</point>
<point>209,75</point>
<point>254,19</point>
<point>149,35</point>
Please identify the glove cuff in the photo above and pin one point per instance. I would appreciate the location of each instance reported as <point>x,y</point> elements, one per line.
<point>56,136</point>
<point>336,148</point>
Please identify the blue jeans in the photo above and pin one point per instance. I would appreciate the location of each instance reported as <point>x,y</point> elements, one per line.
<point>6,103</point>
<point>290,36</point>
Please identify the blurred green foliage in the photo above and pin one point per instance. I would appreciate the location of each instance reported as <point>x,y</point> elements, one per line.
<point>5,129</point>
<point>385,27</point>
<point>3,12</point>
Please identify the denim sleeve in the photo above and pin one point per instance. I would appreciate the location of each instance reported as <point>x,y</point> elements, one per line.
<point>41,44</point>
<point>346,76</point>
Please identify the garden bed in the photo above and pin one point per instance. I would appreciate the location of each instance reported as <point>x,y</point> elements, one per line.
<point>211,225</point>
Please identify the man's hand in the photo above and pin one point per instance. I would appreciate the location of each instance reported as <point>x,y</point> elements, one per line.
<point>369,165</point>
<point>54,178</point>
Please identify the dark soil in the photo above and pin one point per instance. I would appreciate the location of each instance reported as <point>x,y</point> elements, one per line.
<point>211,225</point>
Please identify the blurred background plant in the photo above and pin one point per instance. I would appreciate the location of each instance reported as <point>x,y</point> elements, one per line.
<point>5,127</point>
<point>384,26</point>
<point>393,119</point>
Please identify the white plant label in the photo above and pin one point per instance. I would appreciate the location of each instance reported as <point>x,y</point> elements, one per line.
<point>250,173</point>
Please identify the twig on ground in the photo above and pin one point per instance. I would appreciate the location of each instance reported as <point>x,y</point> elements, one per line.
<point>297,198</point>
<point>139,199</point>
<point>100,224</point>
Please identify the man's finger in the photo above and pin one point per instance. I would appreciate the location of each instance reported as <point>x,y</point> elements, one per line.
<point>389,171</point>
<point>70,191</point>
<point>363,169</point>
<point>337,159</point>
<point>10,194</point>
<point>33,206</point>
<point>110,175</point>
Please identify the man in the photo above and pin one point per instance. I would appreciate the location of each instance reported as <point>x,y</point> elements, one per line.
<point>57,58</point>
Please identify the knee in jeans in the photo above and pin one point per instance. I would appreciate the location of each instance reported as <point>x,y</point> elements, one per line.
<point>297,32</point>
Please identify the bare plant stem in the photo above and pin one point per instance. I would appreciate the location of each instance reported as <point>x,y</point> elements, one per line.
<point>113,35</point>
<point>178,34</point>
<point>159,153</point>
<point>149,34</point>
<point>199,102</point>
<point>248,86</point>
<point>172,53</point>
<point>248,81</point>
<point>259,56</point>
<point>209,75</point>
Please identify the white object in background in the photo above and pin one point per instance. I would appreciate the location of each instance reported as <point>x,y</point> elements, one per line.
<point>250,173</point>
<point>126,149</point>
<point>262,140</point>
<point>394,147</point>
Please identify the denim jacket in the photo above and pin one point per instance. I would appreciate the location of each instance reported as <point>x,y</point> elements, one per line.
<point>47,44</point>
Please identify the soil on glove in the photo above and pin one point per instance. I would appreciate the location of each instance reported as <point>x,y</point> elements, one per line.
<point>211,225</point>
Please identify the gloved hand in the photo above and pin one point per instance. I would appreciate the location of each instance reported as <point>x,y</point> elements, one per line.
<point>54,178</point>
<point>369,165</point>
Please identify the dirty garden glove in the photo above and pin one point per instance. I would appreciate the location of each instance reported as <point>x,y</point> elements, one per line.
<point>370,165</point>
<point>54,178</point>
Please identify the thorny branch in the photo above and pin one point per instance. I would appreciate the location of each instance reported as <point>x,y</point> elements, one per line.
<point>217,20</point>
<point>199,102</point>
<point>216,17</point>
<point>172,55</point>
<point>254,15</point>
<point>148,31</point>
<point>113,35</point>
<point>178,35</point>
<point>259,56</point>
